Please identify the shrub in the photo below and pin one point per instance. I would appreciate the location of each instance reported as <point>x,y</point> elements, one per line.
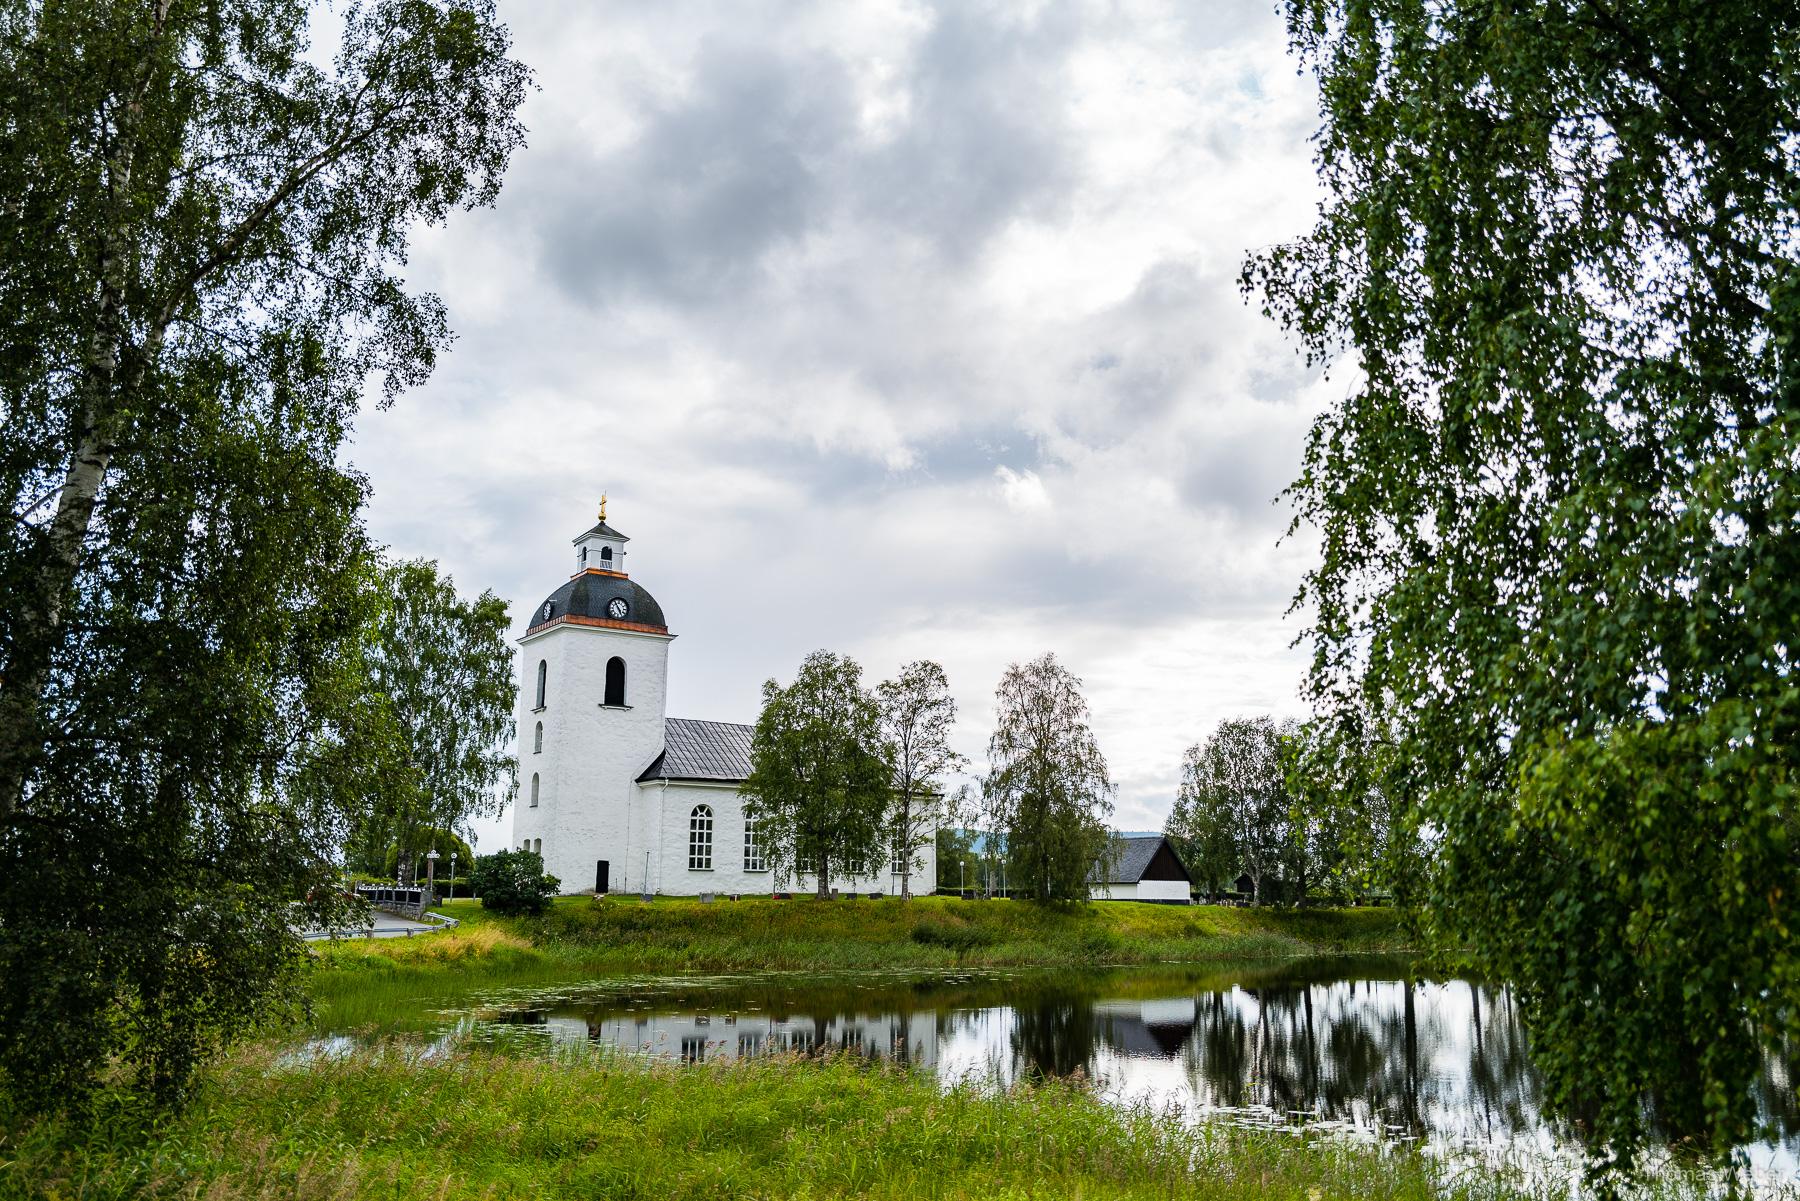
<point>513,882</point>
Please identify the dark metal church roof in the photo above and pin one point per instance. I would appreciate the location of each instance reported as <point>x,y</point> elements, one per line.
<point>1131,857</point>
<point>588,594</point>
<point>702,750</point>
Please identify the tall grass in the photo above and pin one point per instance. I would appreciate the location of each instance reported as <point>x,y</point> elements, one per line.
<point>595,1126</point>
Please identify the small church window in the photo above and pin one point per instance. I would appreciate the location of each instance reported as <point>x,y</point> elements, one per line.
<point>606,557</point>
<point>534,790</point>
<point>897,864</point>
<point>615,681</point>
<point>756,859</point>
<point>543,679</point>
<point>700,839</point>
<point>538,848</point>
<point>537,740</point>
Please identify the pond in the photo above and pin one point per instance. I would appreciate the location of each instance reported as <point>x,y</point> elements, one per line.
<point>1356,1044</point>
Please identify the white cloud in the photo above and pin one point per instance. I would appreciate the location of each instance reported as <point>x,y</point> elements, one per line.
<point>1023,491</point>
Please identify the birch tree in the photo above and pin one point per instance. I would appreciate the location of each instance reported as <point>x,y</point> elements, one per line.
<point>820,776</point>
<point>917,715</point>
<point>201,238</point>
<point>1558,504</point>
<point>1233,801</point>
<point>1047,781</point>
<point>442,669</point>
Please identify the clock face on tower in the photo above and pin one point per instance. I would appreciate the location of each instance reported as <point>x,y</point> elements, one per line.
<point>617,608</point>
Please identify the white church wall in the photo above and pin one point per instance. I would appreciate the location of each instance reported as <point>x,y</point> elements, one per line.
<point>674,803</point>
<point>592,753</point>
<point>674,877</point>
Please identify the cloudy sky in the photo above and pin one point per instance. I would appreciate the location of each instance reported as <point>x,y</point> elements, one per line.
<point>900,330</point>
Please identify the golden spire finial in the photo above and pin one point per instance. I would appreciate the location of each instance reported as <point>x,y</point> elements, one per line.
<point>603,506</point>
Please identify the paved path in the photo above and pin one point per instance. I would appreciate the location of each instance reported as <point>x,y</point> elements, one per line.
<point>386,925</point>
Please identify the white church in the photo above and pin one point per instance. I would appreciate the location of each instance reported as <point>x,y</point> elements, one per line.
<point>615,794</point>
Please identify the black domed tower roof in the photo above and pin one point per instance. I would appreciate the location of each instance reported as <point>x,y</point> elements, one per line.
<point>589,597</point>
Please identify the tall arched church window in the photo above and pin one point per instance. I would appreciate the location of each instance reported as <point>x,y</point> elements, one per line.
<point>534,790</point>
<point>543,679</point>
<point>897,862</point>
<point>756,859</point>
<point>537,740</point>
<point>700,839</point>
<point>615,681</point>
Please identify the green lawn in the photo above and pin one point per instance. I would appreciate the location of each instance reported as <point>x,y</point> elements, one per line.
<point>593,1126</point>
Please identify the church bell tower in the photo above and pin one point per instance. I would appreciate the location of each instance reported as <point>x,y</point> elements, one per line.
<point>593,675</point>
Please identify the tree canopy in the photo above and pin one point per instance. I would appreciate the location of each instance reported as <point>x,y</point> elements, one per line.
<point>202,238</point>
<point>1232,813</point>
<point>443,671</point>
<point>1560,581</point>
<point>917,714</point>
<point>820,777</point>
<point>1047,786</point>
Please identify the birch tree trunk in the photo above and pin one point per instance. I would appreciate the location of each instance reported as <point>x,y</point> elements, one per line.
<point>40,621</point>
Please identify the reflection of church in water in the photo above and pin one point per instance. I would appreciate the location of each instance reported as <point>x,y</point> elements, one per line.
<point>910,1038</point>
<point>1039,1041</point>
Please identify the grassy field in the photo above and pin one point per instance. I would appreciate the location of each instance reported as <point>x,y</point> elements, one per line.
<point>493,1126</point>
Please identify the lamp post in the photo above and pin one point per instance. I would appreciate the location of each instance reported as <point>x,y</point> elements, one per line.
<point>431,858</point>
<point>453,875</point>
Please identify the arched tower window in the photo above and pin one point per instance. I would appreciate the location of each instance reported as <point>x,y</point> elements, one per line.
<point>537,740</point>
<point>543,679</point>
<point>700,838</point>
<point>606,558</point>
<point>534,790</point>
<point>615,681</point>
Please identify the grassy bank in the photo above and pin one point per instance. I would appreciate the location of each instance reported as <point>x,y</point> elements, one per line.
<point>927,933</point>
<point>494,1126</point>
<point>368,983</point>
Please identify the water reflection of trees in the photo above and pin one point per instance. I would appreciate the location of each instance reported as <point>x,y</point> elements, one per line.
<point>1362,1051</point>
<point>1054,1035</point>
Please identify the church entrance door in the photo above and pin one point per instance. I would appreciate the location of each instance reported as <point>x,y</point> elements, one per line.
<point>600,874</point>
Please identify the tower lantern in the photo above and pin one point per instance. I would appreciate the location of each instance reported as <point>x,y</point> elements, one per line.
<point>602,548</point>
